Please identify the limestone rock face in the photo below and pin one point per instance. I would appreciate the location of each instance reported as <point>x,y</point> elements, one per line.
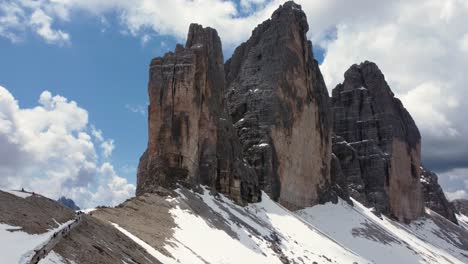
<point>378,132</point>
<point>434,197</point>
<point>191,138</point>
<point>279,102</point>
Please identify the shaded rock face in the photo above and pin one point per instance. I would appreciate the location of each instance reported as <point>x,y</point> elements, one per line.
<point>379,144</point>
<point>461,206</point>
<point>191,138</point>
<point>278,101</point>
<point>338,184</point>
<point>68,203</point>
<point>434,197</point>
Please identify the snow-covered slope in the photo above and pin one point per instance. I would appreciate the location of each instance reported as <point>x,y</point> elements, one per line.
<point>212,229</point>
<point>198,227</point>
<point>18,246</point>
<point>227,233</point>
<point>431,239</point>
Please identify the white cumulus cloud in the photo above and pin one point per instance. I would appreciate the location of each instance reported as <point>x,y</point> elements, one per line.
<point>42,23</point>
<point>47,149</point>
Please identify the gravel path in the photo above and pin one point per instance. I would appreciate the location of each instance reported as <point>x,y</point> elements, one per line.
<point>44,250</point>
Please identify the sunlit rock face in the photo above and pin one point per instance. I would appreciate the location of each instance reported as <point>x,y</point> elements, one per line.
<point>377,132</point>
<point>279,103</point>
<point>191,138</point>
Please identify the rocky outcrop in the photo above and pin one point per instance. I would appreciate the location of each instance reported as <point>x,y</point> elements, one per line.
<point>434,197</point>
<point>278,100</point>
<point>461,206</point>
<point>68,203</point>
<point>379,144</point>
<point>191,138</point>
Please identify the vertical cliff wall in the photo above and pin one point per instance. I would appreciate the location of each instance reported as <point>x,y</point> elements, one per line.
<point>191,138</point>
<point>379,145</point>
<point>278,100</point>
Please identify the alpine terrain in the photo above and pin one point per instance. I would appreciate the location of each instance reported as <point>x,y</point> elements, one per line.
<point>250,160</point>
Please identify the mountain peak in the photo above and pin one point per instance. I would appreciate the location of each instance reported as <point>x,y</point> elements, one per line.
<point>291,12</point>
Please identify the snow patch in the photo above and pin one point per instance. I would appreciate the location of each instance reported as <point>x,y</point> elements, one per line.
<point>379,240</point>
<point>153,252</point>
<point>18,246</point>
<point>17,193</point>
<point>54,258</point>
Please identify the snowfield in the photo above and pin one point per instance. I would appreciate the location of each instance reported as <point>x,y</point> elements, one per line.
<point>54,258</point>
<point>384,240</point>
<point>18,246</point>
<point>259,233</point>
<point>213,229</point>
<point>266,232</point>
<point>17,193</point>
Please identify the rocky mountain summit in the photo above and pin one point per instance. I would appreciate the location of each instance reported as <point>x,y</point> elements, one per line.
<point>264,121</point>
<point>191,138</point>
<point>68,203</point>
<point>377,143</point>
<point>279,104</point>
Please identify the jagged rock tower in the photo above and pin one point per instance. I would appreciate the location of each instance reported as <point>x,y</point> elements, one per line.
<point>279,102</point>
<point>191,138</point>
<point>377,143</point>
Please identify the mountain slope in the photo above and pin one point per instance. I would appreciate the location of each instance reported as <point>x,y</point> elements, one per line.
<point>431,239</point>
<point>202,228</point>
<point>186,226</point>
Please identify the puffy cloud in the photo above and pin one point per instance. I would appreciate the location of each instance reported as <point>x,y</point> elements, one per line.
<point>107,147</point>
<point>10,21</point>
<point>18,16</point>
<point>47,149</point>
<point>455,182</point>
<point>420,47</point>
<point>460,194</point>
<point>42,24</point>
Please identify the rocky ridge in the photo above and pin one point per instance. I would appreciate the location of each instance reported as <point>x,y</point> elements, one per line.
<point>68,203</point>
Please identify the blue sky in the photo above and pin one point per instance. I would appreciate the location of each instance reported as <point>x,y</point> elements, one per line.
<point>97,54</point>
<point>106,73</point>
<point>103,69</point>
